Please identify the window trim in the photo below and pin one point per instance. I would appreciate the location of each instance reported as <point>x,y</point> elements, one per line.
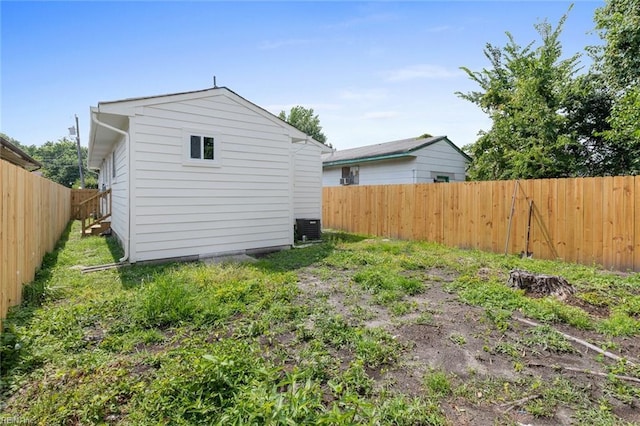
<point>442,177</point>
<point>201,162</point>
<point>114,170</point>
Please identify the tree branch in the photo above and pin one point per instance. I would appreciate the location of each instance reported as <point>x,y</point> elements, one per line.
<point>585,371</point>
<point>581,342</point>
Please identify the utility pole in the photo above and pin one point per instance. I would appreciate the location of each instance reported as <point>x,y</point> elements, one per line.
<point>79,153</point>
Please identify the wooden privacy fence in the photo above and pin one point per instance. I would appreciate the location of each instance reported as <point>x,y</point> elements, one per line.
<point>34,212</point>
<point>583,220</point>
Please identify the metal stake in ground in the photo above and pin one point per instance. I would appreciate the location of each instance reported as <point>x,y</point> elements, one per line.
<point>527,253</point>
<point>513,206</point>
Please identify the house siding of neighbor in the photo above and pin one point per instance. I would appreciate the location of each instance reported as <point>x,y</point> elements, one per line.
<point>255,177</point>
<point>416,160</point>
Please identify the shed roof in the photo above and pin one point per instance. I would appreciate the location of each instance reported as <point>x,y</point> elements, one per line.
<point>384,151</point>
<point>15,155</point>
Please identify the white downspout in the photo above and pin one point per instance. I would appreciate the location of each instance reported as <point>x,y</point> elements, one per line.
<point>94,118</point>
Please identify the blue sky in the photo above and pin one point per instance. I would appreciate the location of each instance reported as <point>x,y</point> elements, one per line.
<point>372,71</point>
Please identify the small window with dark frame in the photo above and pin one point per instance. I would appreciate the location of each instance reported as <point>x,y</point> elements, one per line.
<point>195,147</point>
<point>202,147</point>
<point>113,164</point>
<point>207,142</point>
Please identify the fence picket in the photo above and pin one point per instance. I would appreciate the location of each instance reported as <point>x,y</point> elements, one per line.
<point>584,220</point>
<point>34,212</point>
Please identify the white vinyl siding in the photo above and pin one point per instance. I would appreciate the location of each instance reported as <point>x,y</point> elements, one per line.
<point>120,193</point>
<point>242,204</point>
<point>387,172</point>
<point>437,159</point>
<point>441,159</point>
<point>307,199</point>
<point>331,176</point>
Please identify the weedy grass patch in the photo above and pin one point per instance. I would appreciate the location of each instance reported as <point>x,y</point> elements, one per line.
<point>189,343</point>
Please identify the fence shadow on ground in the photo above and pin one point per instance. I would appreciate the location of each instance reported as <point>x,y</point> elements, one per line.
<point>33,295</point>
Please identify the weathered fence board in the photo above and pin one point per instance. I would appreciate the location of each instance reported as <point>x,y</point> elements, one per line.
<point>584,220</point>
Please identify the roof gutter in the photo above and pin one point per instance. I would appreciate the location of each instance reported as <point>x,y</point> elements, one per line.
<point>94,118</point>
<point>366,159</point>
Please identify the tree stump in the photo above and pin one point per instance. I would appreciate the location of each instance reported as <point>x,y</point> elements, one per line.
<point>540,285</point>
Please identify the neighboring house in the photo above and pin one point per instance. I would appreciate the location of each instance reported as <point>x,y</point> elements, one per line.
<point>415,160</point>
<point>203,173</point>
<point>11,153</point>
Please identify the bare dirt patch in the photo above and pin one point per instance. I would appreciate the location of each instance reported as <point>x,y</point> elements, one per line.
<point>499,375</point>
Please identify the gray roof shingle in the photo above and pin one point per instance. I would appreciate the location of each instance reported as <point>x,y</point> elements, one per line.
<point>381,151</point>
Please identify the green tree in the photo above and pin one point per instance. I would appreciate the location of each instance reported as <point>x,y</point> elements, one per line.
<point>304,120</point>
<point>13,141</point>
<point>60,161</point>
<point>525,93</point>
<point>624,135</point>
<point>618,23</point>
<point>587,108</point>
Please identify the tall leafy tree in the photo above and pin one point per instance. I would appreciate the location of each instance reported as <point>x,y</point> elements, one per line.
<point>587,108</point>
<point>306,121</point>
<point>525,93</point>
<point>60,162</point>
<point>618,23</point>
<point>624,135</point>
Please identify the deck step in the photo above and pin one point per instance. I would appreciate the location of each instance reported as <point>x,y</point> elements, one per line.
<point>98,228</point>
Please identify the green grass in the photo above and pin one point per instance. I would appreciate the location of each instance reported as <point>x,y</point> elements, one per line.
<point>242,344</point>
<point>437,384</point>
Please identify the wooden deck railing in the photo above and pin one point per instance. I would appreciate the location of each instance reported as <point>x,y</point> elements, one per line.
<point>95,209</point>
<point>77,197</point>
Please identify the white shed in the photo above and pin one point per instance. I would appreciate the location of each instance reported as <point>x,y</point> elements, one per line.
<point>414,160</point>
<point>203,173</point>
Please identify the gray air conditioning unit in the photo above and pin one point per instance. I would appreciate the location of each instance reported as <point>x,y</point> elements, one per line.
<point>346,181</point>
<point>307,229</point>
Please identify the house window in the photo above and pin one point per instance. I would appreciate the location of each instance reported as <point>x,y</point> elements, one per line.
<point>350,175</point>
<point>202,148</point>
<point>439,176</point>
<point>113,164</point>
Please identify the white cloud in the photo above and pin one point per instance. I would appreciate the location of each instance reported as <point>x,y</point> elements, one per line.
<point>439,29</point>
<point>421,71</point>
<point>362,95</point>
<point>317,107</point>
<point>380,115</point>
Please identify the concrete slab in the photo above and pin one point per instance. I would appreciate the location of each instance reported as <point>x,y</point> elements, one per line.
<point>229,258</point>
